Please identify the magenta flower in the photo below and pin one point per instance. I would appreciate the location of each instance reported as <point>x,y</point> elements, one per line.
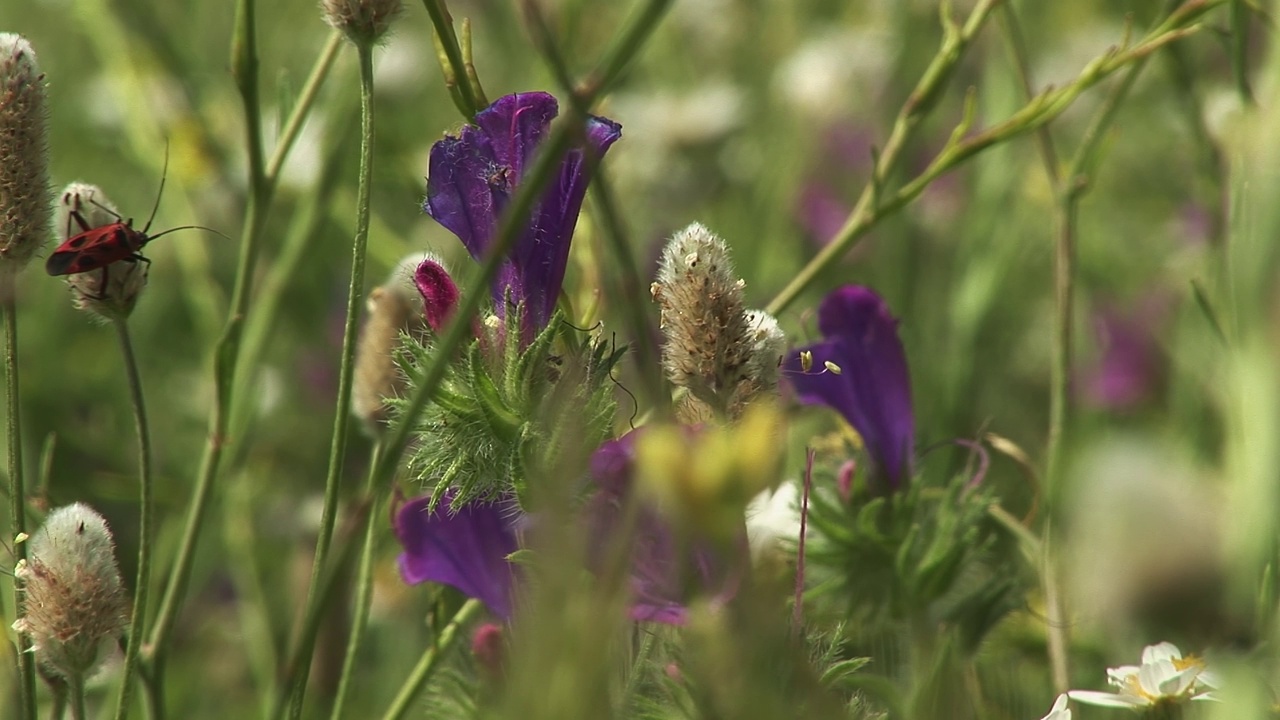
<point>469,548</point>
<point>472,177</point>
<point>869,384</point>
<point>1131,364</point>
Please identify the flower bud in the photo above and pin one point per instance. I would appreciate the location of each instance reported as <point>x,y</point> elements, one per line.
<point>75,601</point>
<point>707,346</point>
<point>393,308</point>
<point>24,155</point>
<point>109,292</point>
<point>362,21</point>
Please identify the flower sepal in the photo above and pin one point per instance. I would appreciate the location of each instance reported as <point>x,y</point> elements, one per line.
<point>918,552</point>
<point>502,406</point>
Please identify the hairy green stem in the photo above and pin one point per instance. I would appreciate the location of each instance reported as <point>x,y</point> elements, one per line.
<point>430,660</point>
<point>146,521</point>
<point>364,596</point>
<point>17,488</point>
<point>342,410</point>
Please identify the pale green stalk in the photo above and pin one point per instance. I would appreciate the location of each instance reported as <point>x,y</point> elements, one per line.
<point>429,661</point>
<point>457,78</point>
<point>17,488</point>
<point>363,599</point>
<point>244,64</point>
<point>873,205</point>
<point>75,693</point>
<point>146,522</point>
<point>342,411</point>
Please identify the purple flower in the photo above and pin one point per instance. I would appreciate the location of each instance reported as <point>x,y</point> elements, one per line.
<point>473,176</point>
<point>466,549</point>
<point>1131,363</point>
<point>870,386</point>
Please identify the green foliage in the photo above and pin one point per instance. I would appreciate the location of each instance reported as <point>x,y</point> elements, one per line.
<point>496,419</point>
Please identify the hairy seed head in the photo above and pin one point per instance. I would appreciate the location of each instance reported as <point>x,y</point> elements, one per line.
<point>704,320</point>
<point>394,308</point>
<point>75,602</point>
<point>24,155</point>
<point>362,21</point>
<point>111,292</point>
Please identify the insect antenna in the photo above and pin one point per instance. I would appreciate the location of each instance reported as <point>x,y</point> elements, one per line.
<point>187,227</point>
<point>164,173</point>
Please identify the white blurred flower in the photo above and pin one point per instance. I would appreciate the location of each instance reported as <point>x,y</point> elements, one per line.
<point>827,75</point>
<point>773,516</point>
<point>1059,711</point>
<point>1164,677</point>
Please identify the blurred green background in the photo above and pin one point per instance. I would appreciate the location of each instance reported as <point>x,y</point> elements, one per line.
<point>758,118</point>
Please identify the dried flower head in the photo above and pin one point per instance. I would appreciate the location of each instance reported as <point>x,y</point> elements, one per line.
<point>393,308</point>
<point>75,601</point>
<point>24,155</point>
<point>109,292</point>
<point>362,21</point>
<point>708,333</point>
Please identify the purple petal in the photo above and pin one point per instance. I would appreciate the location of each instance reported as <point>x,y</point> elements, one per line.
<point>660,566</point>
<point>439,292</point>
<point>467,549</point>
<point>473,176</point>
<point>1129,369</point>
<point>872,389</point>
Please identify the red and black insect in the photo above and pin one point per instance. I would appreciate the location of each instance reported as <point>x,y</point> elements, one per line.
<point>97,247</point>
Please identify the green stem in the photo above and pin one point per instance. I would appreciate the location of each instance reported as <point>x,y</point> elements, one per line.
<point>1240,50</point>
<point>302,108</point>
<point>429,660</point>
<point>1018,46</point>
<point>75,692</point>
<point>919,103</point>
<point>146,521</point>
<point>630,285</point>
<point>17,487</point>
<point>872,207</point>
<point>342,412</point>
<point>456,76</point>
<point>364,596</point>
<point>262,181</point>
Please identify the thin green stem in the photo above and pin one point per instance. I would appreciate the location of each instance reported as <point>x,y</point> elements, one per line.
<point>922,99</point>
<point>456,76</point>
<point>75,693</point>
<point>146,521</point>
<point>17,487</point>
<point>429,661</point>
<point>364,596</point>
<point>302,108</point>
<point>630,285</point>
<point>262,182</point>
<point>342,411</point>
<point>1240,50</point>
<point>1012,28</point>
<point>873,206</point>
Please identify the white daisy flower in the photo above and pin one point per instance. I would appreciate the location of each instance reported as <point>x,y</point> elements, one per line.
<point>1164,677</point>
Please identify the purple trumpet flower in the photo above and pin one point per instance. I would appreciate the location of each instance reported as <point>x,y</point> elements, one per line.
<point>473,176</point>
<point>869,384</point>
<point>469,548</point>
